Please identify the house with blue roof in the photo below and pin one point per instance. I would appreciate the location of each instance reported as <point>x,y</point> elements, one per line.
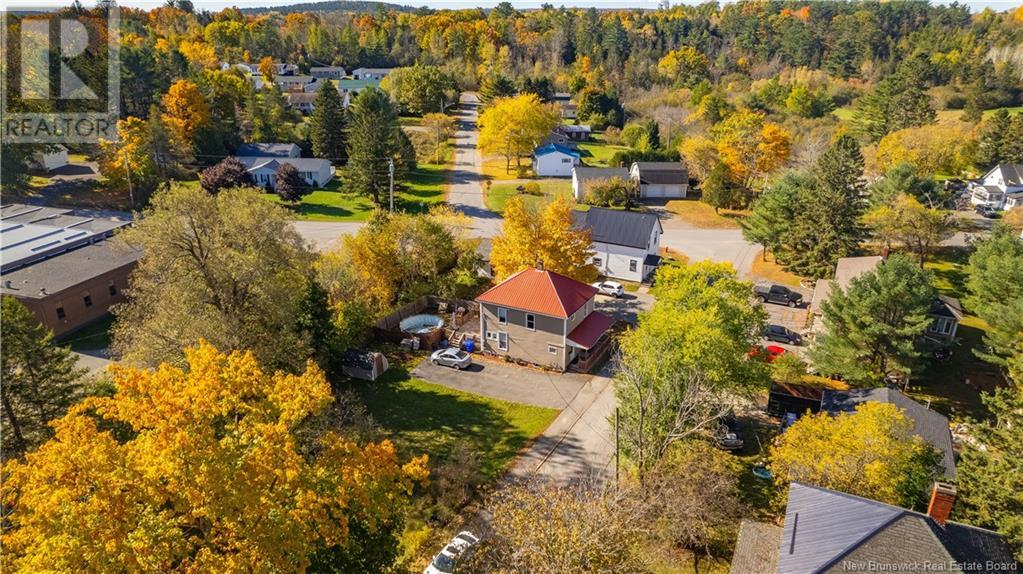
<point>553,160</point>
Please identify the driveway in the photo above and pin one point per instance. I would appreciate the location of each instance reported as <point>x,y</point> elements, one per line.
<point>579,444</point>
<point>464,191</point>
<point>627,307</point>
<point>793,318</point>
<point>323,235</point>
<point>507,382</point>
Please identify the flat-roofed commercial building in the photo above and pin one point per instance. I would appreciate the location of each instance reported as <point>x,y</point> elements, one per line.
<point>62,266</point>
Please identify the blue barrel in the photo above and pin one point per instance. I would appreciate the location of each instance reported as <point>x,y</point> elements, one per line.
<point>470,345</point>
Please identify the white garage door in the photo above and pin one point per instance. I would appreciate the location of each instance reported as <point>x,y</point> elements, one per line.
<point>655,190</point>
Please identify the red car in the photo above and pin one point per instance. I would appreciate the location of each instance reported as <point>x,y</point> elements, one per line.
<point>768,353</point>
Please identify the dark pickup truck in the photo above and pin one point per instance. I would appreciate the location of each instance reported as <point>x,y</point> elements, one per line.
<point>778,294</point>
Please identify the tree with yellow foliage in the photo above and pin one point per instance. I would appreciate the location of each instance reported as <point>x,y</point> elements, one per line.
<point>547,236</point>
<point>871,452</point>
<point>199,54</point>
<point>127,164</point>
<point>513,126</point>
<point>685,66</point>
<point>267,69</point>
<point>750,146</point>
<point>198,470</point>
<point>933,149</point>
<point>185,111</point>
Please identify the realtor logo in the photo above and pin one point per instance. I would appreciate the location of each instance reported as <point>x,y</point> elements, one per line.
<point>61,77</point>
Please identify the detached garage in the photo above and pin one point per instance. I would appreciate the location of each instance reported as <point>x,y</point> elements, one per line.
<point>661,179</point>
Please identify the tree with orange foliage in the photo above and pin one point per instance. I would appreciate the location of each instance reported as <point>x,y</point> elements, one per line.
<point>185,111</point>
<point>267,69</point>
<point>203,469</point>
<point>750,146</point>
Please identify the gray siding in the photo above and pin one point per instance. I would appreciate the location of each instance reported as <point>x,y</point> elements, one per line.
<point>525,344</point>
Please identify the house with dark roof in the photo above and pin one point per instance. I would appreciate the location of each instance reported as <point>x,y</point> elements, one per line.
<point>269,149</point>
<point>1000,188</point>
<point>826,531</point>
<point>301,101</point>
<point>544,318</point>
<point>63,266</point>
<point>668,179</point>
<point>553,160</point>
<point>583,178</point>
<point>315,172</point>
<point>625,243</point>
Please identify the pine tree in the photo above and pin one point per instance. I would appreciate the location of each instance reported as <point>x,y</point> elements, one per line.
<point>773,213</point>
<point>327,123</point>
<point>495,86</point>
<point>373,140</point>
<point>828,225</point>
<point>40,380</point>
<point>873,327</point>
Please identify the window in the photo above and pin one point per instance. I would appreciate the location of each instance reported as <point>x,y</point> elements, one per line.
<point>60,313</point>
<point>112,289</point>
<point>946,327</point>
<point>530,321</point>
<point>632,265</point>
<point>552,349</point>
<point>566,160</point>
<point>87,300</point>
<point>502,316</point>
<point>596,262</point>
<point>492,335</point>
<point>502,341</point>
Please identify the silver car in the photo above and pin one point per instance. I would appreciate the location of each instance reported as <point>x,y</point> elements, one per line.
<point>451,357</point>
<point>447,559</point>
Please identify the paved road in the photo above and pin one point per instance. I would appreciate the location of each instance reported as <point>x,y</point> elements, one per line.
<point>325,234</point>
<point>579,444</point>
<point>507,382</point>
<point>628,307</point>
<point>465,192</point>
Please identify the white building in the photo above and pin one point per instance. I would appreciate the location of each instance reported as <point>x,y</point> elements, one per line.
<point>50,159</point>
<point>370,73</point>
<point>263,169</point>
<point>1000,188</point>
<point>626,244</point>
<point>583,178</point>
<point>327,72</point>
<point>661,178</point>
<point>297,83</point>
<point>269,150</point>
<point>553,160</point>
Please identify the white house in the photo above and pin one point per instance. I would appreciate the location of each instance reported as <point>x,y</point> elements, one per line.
<point>553,160</point>
<point>1000,188</point>
<point>585,177</point>
<point>327,72</point>
<point>370,73</point>
<point>297,83</point>
<point>661,178</point>
<point>569,109</point>
<point>51,159</point>
<point>625,243</point>
<point>263,169</point>
<point>268,150</point>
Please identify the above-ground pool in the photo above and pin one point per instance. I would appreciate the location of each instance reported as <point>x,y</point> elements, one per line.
<point>420,324</point>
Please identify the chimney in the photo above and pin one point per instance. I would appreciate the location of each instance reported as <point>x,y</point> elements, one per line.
<point>539,264</point>
<point>943,497</point>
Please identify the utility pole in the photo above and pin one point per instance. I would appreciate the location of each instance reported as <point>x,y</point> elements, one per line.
<point>131,192</point>
<point>617,444</point>
<point>390,173</point>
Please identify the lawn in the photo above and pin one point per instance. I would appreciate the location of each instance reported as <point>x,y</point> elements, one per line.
<point>494,168</point>
<point>91,338</point>
<point>425,189</point>
<point>769,270</point>
<point>422,417</point>
<point>701,215</point>
<point>597,153</point>
<point>845,114</point>
<point>500,193</point>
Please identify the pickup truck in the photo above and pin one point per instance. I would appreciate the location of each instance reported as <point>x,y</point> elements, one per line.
<point>778,294</point>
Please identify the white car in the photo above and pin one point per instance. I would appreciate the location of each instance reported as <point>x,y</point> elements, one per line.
<point>612,288</point>
<point>451,357</point>
<point>446,560</point>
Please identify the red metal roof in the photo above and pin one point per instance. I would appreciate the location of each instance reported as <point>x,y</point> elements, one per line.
<point>542,292</point>
<point>587,333</point>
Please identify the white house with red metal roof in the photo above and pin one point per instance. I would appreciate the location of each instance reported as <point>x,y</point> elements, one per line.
<point>543,318</point>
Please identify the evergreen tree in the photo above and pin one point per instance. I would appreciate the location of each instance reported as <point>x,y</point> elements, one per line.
<point>874,326</point>
<point>40,380</point>
<point>770,222</point>
<point>828,224</point>
<point>995,284</point>
<point>495,86</point>
<point>905,178</point>
<point>894,104</point>
<point>327,124</point>
<point>1001,140</point>
<point>374,139</point>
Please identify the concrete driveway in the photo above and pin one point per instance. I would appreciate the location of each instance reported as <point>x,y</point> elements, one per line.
<point>507,382</point>
<point>626,308</point>
<point>579,444</point>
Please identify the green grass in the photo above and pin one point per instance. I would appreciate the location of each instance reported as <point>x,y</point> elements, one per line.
<point>424,190</point>
<point>597,153</point>
<point>422,417</point>
<point>500,193</point>
<point>92,337</point>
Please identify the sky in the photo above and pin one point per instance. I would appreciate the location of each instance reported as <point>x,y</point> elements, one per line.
<point>439,4</point>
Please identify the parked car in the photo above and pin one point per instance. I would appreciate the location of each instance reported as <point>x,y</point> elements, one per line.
<point>986,211</point>
<point>767,354</point>
<point>451,357</point>
<point>446,561</point>
<point>612,288</point>
<point>778,294</point>
<point>782,334</point>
